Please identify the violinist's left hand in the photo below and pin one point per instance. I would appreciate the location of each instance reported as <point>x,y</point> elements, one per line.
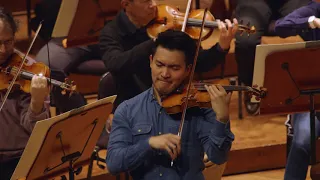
<point>39,91</point>
<point>227,33</point>
<point>220,101</point>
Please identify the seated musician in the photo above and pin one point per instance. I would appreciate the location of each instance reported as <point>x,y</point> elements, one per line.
<point>144,137</point>
<point>261,14</point>
<point>126,46</point>
<point>21,110</point>
<point>305,22</point>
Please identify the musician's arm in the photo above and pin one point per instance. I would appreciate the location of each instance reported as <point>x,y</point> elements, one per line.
<point>122,154</point>
<point>28,117</point>
<point>210,58</point>
<point>216,137</point>
<point>116,59</point>
<point>297,21</point>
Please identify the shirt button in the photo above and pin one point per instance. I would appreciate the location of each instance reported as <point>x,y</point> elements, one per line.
<point>139,130</point>
<point>159,112</point>
<point>159,132</point>
<point>160,174</point>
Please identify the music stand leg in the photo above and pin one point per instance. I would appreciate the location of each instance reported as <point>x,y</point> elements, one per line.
<point>312,130</point>
<point>71,172</point>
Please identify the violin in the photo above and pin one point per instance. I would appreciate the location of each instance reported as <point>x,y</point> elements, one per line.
<point>25,69</point>
<point>29,69</point>
<point>169,17</point>
<point>199,97</point>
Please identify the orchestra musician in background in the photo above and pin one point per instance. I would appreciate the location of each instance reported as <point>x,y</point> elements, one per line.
<point>21,110</point>
<point>126,46</point>
<point>261,14</point>
<point>306,23</point>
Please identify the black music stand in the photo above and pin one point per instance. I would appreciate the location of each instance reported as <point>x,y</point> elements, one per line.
<point>290,75</point>
<point>64,143</point>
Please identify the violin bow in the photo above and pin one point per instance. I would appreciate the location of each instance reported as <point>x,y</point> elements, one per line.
<point>186,16</point>
<point>184,111</point>
<point>21,65</point>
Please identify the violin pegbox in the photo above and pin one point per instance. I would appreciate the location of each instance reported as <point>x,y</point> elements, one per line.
<point>258,92</point>
<point>69,86</point>
<point>246,28</point>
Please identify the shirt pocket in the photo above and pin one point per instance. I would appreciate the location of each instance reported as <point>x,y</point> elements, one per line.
<point>141,132</point>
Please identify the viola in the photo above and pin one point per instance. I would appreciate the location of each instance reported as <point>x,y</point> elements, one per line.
<point>199,97</point>
<point>29,69</point>
<point>171,18</point>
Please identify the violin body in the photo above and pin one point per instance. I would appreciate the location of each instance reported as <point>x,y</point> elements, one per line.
<point>29,69</point>
<point>199,97</point>
<point>29,66</point>
<point>171,18</point>
<point>175,103</point>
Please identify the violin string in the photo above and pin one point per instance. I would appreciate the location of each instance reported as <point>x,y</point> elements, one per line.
<point>21,65</point>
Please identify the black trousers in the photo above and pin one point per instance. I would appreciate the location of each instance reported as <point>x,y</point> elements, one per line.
<point>261,14</point>
<point>7,168</point>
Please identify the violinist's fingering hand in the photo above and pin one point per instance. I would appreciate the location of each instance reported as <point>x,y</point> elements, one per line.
<point>227,32</point>
<point>168,142</point>
<point>220,101</point>
<point>39,91</point>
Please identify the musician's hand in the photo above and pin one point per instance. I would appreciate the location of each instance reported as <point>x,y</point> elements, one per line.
<point>316,22</point>
<point>168,142</point>
<point>206,161</point>
<point>220,101</point>
<point>227,33</point>
<point>39,91</point>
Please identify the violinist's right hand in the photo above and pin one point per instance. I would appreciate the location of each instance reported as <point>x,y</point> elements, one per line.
<point>39,92</point>
<point>168,142</point>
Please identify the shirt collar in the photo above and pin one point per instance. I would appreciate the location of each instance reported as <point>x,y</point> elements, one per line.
<point>126,26</point>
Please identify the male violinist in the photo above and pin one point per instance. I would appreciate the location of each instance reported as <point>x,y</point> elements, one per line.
<point>21,110</point>
<point>126,46</point>
<point>144,139</point>
<point>306,23</point>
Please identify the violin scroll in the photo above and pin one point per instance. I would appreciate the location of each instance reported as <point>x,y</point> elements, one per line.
<point>246,28</point>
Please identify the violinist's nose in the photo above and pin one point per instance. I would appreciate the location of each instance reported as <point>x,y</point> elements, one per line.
<point>165,73</point>
<point>2,48</point>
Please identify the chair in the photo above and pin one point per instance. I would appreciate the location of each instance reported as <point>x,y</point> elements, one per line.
<point>107,87</point>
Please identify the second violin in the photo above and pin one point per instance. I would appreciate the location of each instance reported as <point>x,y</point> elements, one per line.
<point>171,18</point>
<point>30,68</point>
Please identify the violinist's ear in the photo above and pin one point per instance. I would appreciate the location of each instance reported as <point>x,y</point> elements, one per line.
<point>150,57</point>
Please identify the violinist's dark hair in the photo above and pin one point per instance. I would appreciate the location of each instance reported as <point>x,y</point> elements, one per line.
<point>177,40</point>
<point>7,17</point>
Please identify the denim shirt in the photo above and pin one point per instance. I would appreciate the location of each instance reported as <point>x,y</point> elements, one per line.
<point>141,117</point>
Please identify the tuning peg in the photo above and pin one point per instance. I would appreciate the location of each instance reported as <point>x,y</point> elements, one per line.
<point>248,24</point>
<point>241,21</point>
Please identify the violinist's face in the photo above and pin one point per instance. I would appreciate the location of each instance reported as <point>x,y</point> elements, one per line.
<point>140,11</point>
<point>168,70</point>
<point>6,42</point>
